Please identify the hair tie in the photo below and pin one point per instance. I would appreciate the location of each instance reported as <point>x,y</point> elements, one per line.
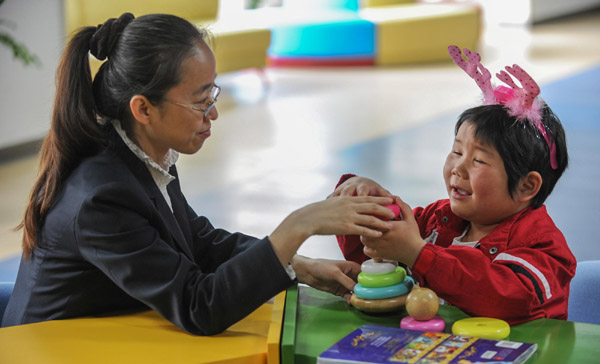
<point>106,36</point>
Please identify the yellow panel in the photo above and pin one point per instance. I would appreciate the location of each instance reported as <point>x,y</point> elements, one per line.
<point>136,338</point>
<point>374,3</point>
<point>229,62</point>
<point>79,13</point>
<point>235,50</point>
<point>423,33</point>
<point>274,335</point>
<point>250,39</point>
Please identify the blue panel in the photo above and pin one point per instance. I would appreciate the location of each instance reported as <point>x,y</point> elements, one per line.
<point>346,37</point>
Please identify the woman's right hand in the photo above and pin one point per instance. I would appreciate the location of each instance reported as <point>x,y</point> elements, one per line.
<point>341,215</point>
<point>360,186</point>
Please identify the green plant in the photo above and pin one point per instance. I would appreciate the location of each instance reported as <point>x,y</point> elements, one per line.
<point>20,52</point>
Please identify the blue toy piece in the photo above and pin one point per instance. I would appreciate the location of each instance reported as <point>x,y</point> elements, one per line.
<point>380,293</point>
<point>585,293</point>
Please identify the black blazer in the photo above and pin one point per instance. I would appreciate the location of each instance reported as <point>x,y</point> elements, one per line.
<point>111,243</point>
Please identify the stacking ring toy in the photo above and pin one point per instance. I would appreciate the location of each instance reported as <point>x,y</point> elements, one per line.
<point>435,324</point>
<point>378,306</point>
<point>483,327</point>
<point>382,280</point>
<point>379,293</point>
<point>371,267</point>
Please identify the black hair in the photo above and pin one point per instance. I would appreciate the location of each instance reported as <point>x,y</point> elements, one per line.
<point>520,144</point>
<point>145,61</point>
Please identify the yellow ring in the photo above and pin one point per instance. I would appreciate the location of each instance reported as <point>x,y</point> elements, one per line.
<point>382,280</point>
<point>483,327</point>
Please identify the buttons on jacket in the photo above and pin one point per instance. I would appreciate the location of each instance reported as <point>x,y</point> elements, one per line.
<point>445,219</point>
<point>493,250</point>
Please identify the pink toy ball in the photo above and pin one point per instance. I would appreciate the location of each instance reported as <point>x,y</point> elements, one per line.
<point>422,304</point>
<point>396,210</point>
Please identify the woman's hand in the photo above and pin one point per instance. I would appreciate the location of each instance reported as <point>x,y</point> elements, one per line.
<point>360,186</point>
<point>334,276</point>
<point>344,215</point>
<point>401,243</point>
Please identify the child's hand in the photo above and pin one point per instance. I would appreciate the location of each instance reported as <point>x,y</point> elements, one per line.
<point>401,243</point>
<point>360,186</point>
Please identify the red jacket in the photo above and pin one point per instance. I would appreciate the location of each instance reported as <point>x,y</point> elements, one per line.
<point>519,272</point>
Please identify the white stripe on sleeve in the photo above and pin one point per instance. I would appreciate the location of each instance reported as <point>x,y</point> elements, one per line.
<point>529,266</point>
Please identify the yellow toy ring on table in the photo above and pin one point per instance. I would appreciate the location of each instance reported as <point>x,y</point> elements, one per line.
<point>483,327</point>
<point>382,280</point>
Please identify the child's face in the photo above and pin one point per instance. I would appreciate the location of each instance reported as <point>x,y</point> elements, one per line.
<point>476,180</point>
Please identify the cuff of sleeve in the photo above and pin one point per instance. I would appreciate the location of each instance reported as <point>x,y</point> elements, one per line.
<point>424,261</point>
<point>290,272</point>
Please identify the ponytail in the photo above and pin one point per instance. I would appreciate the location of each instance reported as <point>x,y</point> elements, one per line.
<point>74,133</point>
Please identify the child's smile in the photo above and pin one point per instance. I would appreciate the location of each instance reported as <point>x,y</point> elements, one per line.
<point>458,193</point>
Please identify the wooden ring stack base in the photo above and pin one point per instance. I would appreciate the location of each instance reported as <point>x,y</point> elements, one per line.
<point>378,306</point>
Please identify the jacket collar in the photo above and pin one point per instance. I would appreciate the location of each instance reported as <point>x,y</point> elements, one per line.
<point>500,234</point>
<point>174,220</point>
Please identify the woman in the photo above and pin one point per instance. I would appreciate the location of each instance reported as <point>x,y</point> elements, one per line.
<point>107,227</point>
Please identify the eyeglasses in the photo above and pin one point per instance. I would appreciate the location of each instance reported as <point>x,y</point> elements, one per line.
<point>214,93</point>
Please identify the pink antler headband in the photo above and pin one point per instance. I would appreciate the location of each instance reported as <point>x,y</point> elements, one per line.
<point>521,102</point>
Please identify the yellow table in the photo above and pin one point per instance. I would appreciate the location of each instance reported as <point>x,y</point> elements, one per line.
<point>144,337</point>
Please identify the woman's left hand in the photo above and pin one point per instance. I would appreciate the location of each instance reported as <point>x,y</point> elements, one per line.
<point>334,276</point>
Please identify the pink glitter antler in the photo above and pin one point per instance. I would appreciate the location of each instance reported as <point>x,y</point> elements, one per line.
<point>475,69</point>
<point>522,104</point>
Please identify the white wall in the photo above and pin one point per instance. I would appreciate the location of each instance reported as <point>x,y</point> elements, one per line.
<point>531,11</point>
<point>26,93</point>
<point>548,9</point>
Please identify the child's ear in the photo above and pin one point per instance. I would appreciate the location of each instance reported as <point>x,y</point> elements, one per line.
<point>529,186</point>
<point>141,108</point>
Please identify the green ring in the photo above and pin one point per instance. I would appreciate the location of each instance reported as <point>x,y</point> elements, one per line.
<point>382,280</point>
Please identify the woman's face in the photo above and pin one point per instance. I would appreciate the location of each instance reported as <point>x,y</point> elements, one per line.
<point>177,125</point>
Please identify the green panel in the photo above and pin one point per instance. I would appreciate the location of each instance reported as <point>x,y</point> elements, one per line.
<point>322,319</point>
<point>288,335</point>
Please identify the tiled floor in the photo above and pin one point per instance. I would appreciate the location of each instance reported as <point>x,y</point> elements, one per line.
<point>281,145</point>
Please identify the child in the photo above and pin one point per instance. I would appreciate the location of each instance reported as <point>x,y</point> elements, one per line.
<point>491,249</point>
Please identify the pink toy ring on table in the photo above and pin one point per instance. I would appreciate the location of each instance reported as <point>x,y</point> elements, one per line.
<point>434,324</point>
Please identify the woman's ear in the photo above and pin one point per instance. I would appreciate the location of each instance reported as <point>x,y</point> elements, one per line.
<point>529,186</point>
<point>140,108</point>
